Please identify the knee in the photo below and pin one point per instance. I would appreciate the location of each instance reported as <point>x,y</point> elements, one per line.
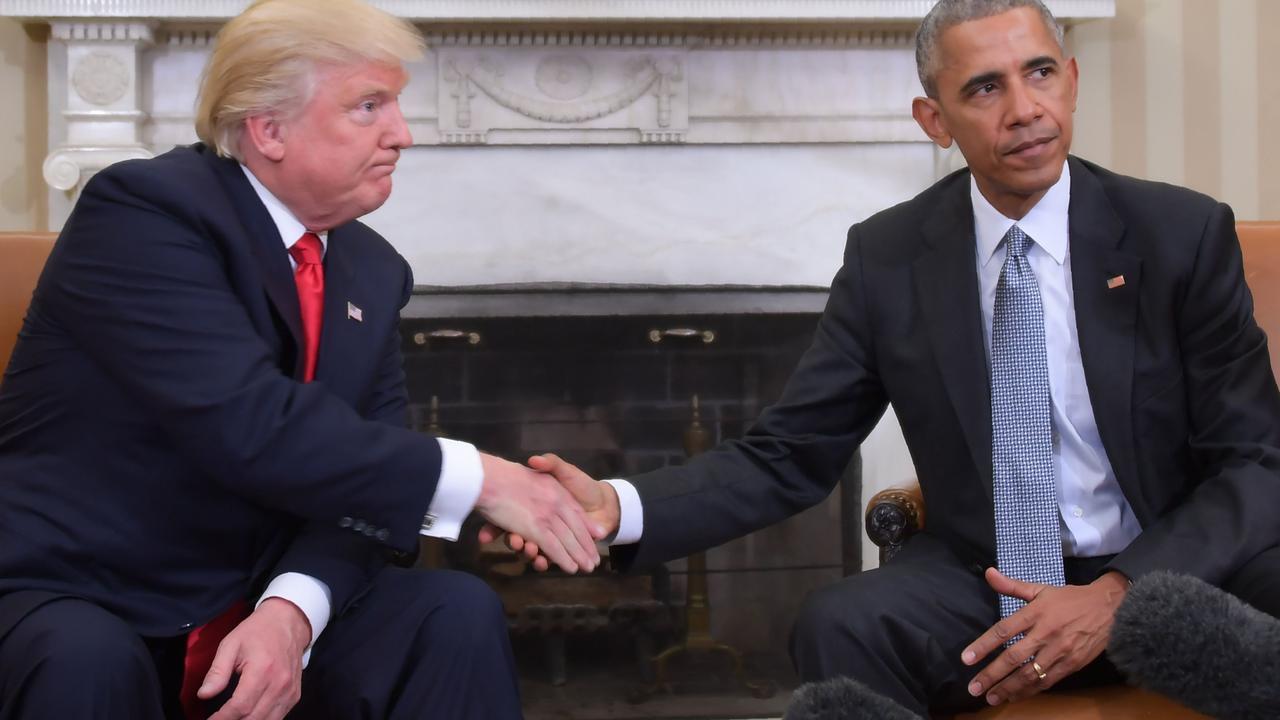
<point>836,629</point>
<point>83,645</point>
<point>842,610</point>
<point>465,605</point>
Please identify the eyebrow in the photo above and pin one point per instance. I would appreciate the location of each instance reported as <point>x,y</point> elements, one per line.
<point>994,75</point>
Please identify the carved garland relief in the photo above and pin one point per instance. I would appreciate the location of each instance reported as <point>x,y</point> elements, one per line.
<point>561,92</point>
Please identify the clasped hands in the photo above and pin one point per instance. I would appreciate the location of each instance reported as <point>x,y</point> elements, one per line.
<point>1063,629</point>
<point>595,502</point>
<point>550,510</point>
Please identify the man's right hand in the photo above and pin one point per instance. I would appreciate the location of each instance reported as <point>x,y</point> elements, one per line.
<point>598,500</point>
<point>533,505</point>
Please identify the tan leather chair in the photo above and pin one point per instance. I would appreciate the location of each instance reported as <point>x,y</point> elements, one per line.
<point>22,256</point>
<point>1260,242</point>
<point>894,514</point>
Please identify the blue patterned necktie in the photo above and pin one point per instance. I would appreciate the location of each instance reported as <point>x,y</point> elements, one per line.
<point>1028,538</point>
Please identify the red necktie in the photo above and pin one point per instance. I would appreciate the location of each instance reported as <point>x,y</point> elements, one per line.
<point>309,276</point>
<point>202,643</point>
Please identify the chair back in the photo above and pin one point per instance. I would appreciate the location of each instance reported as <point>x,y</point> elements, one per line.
<point>22,257</point>
<point>1260,243</point>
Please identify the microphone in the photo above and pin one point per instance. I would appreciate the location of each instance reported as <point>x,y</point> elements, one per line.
<point>1181,637</point>
<point>842,698</point>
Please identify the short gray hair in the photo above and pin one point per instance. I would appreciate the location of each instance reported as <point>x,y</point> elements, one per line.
<point>949,13</point>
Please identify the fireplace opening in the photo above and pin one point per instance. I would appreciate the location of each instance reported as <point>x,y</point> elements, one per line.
<point>618,395</point>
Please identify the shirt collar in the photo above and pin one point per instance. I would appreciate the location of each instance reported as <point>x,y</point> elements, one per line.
<point>290,227</point>
<point>1046,223</point>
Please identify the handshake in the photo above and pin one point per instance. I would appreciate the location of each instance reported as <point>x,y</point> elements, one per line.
<point>551,511</point>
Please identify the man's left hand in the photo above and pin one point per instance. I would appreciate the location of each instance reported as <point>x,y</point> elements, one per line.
<point>266,649</point>
<point>1064,629</point>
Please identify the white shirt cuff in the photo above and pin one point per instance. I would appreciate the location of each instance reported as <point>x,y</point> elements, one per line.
<point>631,514</point>
<point>310,595</point>
<point>461,477</point>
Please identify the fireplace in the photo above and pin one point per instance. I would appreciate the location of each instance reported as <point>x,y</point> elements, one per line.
<point>619,381</point>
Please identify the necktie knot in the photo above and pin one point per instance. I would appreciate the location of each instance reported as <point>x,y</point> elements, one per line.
<point>1016,242</point>
<point>307,250</point>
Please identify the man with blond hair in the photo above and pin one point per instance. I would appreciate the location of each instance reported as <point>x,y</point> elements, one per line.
<point>202,427</point>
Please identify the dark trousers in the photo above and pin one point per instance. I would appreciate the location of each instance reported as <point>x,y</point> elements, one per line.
<point>418,644</point>
<point>900,629</point>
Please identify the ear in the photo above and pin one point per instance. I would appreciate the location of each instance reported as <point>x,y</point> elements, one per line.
<point>266,134</point>
<point>1073,72</point>
<point>928,115</point>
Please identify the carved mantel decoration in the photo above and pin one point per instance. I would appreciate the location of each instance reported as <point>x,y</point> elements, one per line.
<point>775,81</point>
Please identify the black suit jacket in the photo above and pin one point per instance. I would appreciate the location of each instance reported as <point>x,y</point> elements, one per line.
<point>1177,372</point>
<point>157,455</point>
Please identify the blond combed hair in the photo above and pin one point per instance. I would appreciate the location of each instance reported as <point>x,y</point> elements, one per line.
<point>265,59</point>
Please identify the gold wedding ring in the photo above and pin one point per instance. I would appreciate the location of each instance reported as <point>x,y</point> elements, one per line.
<point>1039,670</point>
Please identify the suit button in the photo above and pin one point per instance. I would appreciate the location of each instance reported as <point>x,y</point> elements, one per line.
<point>186,627</point>
<point>383,535</point>
<point>345,522</point>
<point>359,526</point>
<point>370,531</point>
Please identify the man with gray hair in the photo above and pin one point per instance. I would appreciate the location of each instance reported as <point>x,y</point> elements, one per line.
<point>204,460</point>
<point>1074,361</point>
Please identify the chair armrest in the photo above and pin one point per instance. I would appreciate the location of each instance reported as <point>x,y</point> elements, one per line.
<point>893,515</point>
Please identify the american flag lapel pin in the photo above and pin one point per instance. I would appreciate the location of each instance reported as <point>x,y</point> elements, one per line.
<point>1115,282</point>
<point>354,313</point>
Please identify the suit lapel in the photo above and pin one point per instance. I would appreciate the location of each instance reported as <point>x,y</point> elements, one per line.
<point>1106,315</point>
<point>341,331</point>
<point>267,248</point>
<point>947,289</point>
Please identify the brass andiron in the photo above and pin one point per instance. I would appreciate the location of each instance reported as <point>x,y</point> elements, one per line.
<point>697,604</point>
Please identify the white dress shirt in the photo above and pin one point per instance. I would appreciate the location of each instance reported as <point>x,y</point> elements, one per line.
<point>457,489</point>
<point>1095,517</point>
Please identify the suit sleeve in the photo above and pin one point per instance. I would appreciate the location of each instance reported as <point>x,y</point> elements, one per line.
<point>147,290</point>
<point>793,455</point>
<point>343,560</point>
<point>1233,411</point>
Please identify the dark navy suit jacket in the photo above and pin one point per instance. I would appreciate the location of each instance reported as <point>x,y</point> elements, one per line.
<point>158,455</point>
<point>1177,371</point>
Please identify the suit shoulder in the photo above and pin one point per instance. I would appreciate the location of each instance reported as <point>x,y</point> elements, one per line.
<point>1151,203</point>
<point>896,229</point>
<point>179,182</point>
<point>373,246</point>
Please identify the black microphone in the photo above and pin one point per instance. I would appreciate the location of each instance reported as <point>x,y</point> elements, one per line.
<point>1181,637</point>
<point>841,698</point>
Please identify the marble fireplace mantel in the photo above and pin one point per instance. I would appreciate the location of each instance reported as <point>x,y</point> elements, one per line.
<point>682,142</point>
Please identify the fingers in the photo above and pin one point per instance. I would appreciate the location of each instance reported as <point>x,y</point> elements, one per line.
<point>1040,673</point>
<point>244,700</point>
<point>1008,673</point>
<point>224,660</point>
<point>556,553</point>
<point>488,533</point>
<point>576,520</point>
<point>261,695</point>
<point>579,483</point>
<point>1006,585</point>
<point>995,637</point>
